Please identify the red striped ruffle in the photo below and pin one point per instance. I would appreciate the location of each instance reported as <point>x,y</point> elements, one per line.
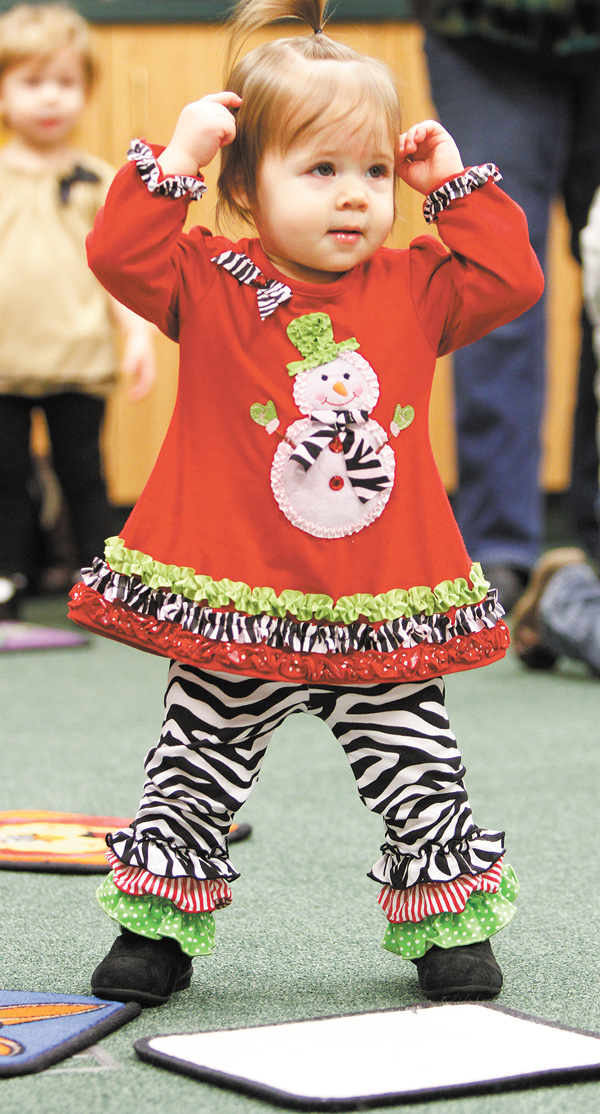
<point>428,898</point>
<point>189,894</point>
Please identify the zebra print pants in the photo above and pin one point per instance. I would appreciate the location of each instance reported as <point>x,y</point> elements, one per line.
<point>215,735</point>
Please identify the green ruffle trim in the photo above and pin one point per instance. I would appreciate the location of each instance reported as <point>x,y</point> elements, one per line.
<point>399,603</point>
<point>156,917</point>
<point>483,915</point>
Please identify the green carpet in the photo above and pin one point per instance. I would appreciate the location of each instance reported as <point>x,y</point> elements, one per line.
<point>302,937</point>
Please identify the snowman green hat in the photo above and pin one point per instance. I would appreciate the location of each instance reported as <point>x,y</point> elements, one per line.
<point>312,334</point>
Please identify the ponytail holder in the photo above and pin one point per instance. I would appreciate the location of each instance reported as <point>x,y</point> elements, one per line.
<point>319,31</point>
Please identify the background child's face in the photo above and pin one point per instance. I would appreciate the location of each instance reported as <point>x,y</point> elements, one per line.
<point>326,204</point>
<point>42,100</point>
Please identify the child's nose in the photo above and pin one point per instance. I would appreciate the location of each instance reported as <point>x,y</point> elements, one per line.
<point>353,196</point>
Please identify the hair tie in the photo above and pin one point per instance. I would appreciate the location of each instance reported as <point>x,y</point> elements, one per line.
<point>319,31</point>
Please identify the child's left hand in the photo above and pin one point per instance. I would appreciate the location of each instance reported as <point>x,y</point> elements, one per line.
<point>427,156</point>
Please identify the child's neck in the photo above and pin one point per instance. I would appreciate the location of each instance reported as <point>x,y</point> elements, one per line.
<point>24,156</point>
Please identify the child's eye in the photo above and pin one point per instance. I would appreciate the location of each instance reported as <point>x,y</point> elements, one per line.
<point>323,170</point>
<point>378,171</point>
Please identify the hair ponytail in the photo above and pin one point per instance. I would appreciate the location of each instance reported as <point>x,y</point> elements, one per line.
<point>249,16</point>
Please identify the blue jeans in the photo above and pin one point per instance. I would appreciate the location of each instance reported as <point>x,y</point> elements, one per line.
<point>570,615</point>
<point>539,123</point>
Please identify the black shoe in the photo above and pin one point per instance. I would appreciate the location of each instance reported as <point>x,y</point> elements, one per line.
<point>12,593</point>
<point>459,974</point>
<point>138,969</point>
<point>526,633</point>
<point>509,582</point>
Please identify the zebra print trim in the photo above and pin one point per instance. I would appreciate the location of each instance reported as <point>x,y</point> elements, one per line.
<point>291,634</point>
<point>474,853</point>
<point>460,186</point>
<point>115,620</point>
<point>189,894</point>
<point>426,899</point>
<point>178,185</point>
<point>270,293</point>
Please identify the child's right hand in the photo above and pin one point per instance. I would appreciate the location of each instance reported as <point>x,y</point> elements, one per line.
<point>202,128</point>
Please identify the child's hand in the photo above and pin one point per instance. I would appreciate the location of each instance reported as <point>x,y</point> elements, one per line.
<point>139,362</point>
<point>426,156</point>
<point>202,128</point>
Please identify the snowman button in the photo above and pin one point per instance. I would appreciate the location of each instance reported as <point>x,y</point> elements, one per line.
<point>336,483</point>
<point>336,445</point>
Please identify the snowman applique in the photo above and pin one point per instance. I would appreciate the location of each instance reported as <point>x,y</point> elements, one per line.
<point>333,472</point>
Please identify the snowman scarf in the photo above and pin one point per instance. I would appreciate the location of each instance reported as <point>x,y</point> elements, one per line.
<point>363,465</point>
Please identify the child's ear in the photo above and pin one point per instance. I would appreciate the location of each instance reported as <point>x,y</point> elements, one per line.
<point>240,195</point>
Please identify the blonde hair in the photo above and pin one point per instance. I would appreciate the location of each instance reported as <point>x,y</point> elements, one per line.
<point>37,31</point>
<point>285,96</point>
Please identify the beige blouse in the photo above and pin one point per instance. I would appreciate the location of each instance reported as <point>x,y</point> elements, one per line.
<point>56,328</point>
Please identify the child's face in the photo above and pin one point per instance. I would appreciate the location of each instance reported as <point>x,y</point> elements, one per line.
<point>326,204</point>
<point>42,100</point>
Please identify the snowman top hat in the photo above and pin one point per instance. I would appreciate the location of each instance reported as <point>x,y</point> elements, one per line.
<point>312,335</point>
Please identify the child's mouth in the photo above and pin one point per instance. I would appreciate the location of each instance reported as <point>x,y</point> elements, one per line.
<point>346,235</point>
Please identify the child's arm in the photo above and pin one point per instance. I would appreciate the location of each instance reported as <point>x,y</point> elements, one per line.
<point>139,357</point>
<point>486,273</point>
<point>137,248</point>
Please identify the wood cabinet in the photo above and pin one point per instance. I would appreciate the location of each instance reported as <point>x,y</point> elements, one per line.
<point>148,72</point>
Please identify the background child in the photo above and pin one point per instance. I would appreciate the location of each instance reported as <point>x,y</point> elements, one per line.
<point>318,570</point>
<point>57,342</point>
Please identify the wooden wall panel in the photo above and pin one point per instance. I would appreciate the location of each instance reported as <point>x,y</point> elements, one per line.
<point>147,74</point>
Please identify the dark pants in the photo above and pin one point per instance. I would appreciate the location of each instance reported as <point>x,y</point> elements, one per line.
<point>538,120</point>
<point>74,423</point>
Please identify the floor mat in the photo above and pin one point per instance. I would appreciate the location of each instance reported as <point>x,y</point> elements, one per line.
<point>37,1030</point>
<point>65,842</point>
<point>16,636</point>
<point>393,1056</point>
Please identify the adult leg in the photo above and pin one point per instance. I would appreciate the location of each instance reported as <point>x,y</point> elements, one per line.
<point>569,615</point>
<point>75,424</point>
<point>499,108</point>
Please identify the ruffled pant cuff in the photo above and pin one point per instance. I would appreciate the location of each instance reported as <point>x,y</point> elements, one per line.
<point>484,914</point>
<point>472,854</point>
<point>189,894</point>
<point>156,917</point>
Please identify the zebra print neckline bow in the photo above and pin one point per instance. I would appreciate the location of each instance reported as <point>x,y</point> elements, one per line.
<point>270,293</point>
<point>364,467</point>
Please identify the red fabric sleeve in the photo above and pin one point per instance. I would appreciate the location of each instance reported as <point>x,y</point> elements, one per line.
<point>486,274</point>
<point>137,249</point>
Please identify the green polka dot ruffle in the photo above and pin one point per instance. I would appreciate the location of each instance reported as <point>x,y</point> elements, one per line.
<point>483,915</point>
<point>156,917</point>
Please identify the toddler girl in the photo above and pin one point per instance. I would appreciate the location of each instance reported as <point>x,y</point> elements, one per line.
<point>57,349</point>
<point>294,549</point>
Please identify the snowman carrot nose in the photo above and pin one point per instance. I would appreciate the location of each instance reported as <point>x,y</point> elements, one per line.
<point>340,389</point>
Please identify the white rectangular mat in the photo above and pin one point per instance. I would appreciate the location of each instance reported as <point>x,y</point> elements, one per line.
<point>389,1056</point>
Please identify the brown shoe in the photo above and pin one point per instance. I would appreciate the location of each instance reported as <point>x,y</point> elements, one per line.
<point>526,638</point>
